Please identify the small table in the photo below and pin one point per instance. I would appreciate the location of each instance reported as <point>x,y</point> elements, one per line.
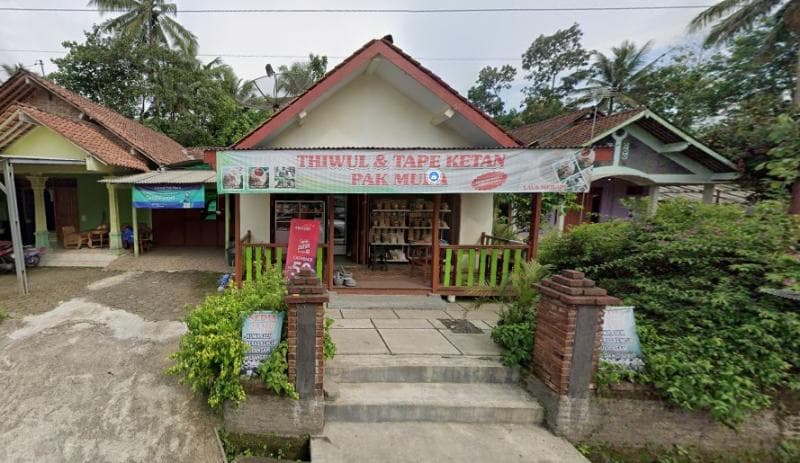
<point>97,238</point>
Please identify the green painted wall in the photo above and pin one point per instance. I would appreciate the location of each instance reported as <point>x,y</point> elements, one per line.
<point>92,201</point>
<point>125,207</point>
<point>42,141</point>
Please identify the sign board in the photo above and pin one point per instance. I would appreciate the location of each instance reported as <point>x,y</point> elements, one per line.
<point>302,248</point>
<point>620,342</point>
<point>404,171</point>
<point>169,196</point>
<point>262,332</point>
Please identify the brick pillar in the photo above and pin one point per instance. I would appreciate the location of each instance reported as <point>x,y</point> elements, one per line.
<point>305,320</point>
<point>569,326</point>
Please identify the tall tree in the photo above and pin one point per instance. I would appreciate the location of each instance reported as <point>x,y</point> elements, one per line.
<point>730,17</point>
<point>296,78</point>
<point>147,20</point>
<point>616,74</point>
<point>552,61</point>
<point>485,94</point>
<point>555,64</point>
<point>192,102</point>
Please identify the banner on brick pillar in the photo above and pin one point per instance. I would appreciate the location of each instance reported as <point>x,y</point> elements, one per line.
<point>620,343</point>
<point>302,249</point>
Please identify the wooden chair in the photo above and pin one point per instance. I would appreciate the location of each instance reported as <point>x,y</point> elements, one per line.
<point>145,238</point>
<point>73,238</point>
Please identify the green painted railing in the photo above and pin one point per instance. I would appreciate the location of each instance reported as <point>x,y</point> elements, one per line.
<point>261,258</point>
<point>482,269</point>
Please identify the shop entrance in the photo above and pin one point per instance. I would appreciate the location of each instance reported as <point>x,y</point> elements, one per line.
<point>386,241</point>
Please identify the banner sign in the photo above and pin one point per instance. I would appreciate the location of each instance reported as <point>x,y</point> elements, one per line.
<point>620,342</point>
<point>169,196</point>
<point>404,171</point>
<point>302,248</point>
<point>262,332</point>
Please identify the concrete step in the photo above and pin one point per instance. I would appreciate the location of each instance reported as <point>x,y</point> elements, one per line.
<point>418,369</point>
<point>434,402</point>
<point>439,442</point>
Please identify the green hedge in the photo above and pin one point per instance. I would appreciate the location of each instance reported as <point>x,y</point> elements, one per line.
<point>711,339</point>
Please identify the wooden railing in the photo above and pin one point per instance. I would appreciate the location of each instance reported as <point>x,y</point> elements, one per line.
<point>261,258</point>
<point>487,240</point>
<point>478,270</point>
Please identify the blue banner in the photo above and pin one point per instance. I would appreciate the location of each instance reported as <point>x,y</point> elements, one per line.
<point>169,196</point>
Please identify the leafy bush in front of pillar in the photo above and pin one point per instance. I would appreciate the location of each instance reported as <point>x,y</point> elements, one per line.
<point>212,351</point>
<point>711,338</point>
<point>514,330</point>
<point>274,369</point>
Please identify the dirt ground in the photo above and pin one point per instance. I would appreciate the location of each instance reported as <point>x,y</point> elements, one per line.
<point>82,363</point>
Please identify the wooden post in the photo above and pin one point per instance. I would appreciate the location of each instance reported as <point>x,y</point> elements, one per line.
<point>536,220</point>
<point>437,204</point>
<point>237,261</point>
<point>328,278</point>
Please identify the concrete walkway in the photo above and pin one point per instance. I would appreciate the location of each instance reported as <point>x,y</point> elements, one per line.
<point>396,331</point>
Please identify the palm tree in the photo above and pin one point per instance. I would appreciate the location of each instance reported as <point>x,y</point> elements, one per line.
<point>729,17</point>
<point>615,76</point>
<point>149,20</point>
<point>297,78</point>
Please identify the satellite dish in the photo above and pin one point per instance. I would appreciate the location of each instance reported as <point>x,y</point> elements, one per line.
<point>263,92</point>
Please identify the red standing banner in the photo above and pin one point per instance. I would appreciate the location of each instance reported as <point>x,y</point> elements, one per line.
<point>302,249</point>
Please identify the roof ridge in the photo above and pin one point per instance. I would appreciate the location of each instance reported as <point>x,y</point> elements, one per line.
<point>122,158</point>
<point>390,44</point>
<point>101,114</point>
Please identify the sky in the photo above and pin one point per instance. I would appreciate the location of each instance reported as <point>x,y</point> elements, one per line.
<point>455,46</point>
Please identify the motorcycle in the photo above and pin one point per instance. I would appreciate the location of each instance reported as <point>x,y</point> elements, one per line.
<point>33,256</point>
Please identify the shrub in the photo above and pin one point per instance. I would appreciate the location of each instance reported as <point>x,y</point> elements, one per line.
<point>3,314</point>
<point>514,330</point>
<point>274,371</point>
<point>711,340</point>
<point>212,351</point>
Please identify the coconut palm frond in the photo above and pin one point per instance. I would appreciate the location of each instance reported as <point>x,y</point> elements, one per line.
<point>148,19</point>
<point>729,17</point>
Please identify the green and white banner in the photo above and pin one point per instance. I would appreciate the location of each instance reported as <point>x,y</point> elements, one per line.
<point>169,196</point>
<point>404,171</point>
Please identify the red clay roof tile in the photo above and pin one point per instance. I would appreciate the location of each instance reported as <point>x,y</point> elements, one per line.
<point>153,144</point>
<point>82,134</point>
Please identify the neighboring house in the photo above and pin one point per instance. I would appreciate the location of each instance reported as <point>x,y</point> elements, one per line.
<point>636,152</point>
<point>62,145</point>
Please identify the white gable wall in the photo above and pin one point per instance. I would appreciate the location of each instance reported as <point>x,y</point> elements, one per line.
<point>369,112</point>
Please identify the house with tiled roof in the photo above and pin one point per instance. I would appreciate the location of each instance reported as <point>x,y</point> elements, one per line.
<point>400,172</point>
<point>634,153</point>
<point>62,145</point>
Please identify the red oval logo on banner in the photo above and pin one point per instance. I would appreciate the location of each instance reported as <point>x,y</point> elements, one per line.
<point>489,181</point>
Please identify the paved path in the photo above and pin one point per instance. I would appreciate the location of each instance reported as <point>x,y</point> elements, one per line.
<point>415,331</point>
<point>82,370</point>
